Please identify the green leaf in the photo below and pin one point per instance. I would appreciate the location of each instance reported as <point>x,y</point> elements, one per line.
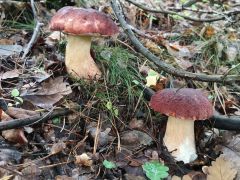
<point>115,111</point>
<point>177,17</point>
<point>15,93</point>
<point>56,120</point>
<point>155,170</point>
<point>19,99</point>
<point>109,105</point>
<point>136,82</point>
<point>108,164</point>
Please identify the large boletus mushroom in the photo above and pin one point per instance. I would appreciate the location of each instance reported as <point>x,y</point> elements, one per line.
<point>183,107</point>
<point>81,25</point>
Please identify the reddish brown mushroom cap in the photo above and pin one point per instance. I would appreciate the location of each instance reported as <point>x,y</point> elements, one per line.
<point>185,103</point>
<point>81,21</point>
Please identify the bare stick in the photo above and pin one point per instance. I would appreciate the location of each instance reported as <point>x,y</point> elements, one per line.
<point>35,33</point>
<point>16,123</point>
<point>222,17</point>
<point>161,64</point>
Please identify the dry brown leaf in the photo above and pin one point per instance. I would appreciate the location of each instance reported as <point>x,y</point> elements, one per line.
<point>58,147</point>
<point>176,178</point>
<point>48,93</point>
<point>32,171</point>
<point>194,175</point>
<point>220,170</point>
<point>84,160</point>
<point>231,149</point>
<point>10,74</point>
<point>13,135</point>
<point>19,113</point>
<point>63,177</point>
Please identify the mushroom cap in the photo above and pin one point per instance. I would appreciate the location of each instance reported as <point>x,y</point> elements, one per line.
<point>185,103</point>
<point>79,21</point>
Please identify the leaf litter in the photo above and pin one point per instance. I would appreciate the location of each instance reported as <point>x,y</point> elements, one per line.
<point>66,145</point>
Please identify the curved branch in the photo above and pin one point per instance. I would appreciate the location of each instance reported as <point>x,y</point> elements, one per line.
<point>162,65</point>
<point>181,15</point>
<point>16,123</point>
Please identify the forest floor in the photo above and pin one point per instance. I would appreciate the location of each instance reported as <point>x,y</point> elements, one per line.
<point>57,127</point>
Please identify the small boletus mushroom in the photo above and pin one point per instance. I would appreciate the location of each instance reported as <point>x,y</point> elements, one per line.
<point>81,25</point>
<point>183,107</point>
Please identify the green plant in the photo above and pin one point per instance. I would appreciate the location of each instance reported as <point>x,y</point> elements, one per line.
<point>109,165</point>
<point>155,170</point>
<point>16,95</point>
<point>112,109</point>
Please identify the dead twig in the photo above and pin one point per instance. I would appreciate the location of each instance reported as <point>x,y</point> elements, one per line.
<point>35,33</point>
<point>222,17</point>
<point>16,123</point>
<point>162,65</point>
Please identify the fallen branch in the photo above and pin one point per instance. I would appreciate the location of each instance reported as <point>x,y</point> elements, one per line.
<point>35,33</point>
<point>16,123</point>
<point>223,17</point>
<point>162,65</point>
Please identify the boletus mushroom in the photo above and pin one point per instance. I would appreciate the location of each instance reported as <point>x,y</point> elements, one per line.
<point>81,25</point>
<point>183,107</point>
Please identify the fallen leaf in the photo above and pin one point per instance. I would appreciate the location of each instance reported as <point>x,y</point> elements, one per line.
<point>58,147</point>
<point>231,151</point>
<point>53,38</point>
<point>63,177</point>
<point>152,78</point>
<point>135,139</point>
<point>133,177</point>
<point>103,137</point>
<point>184,64</point>
<point>32,171</point>
<point>20,113</point>
<point>8,50</point>
<point>209,31</point>
<point>231,53</point>
<point>10,155</point>
<point>194,175</point>
<point>84,160</point>
<point>10,74</point>
<point>176,178</point>
<point>220,169</point>
<point>13,135</point>
<point>7,41</point>
<point>178,51</point>
<point>48,94</point>
<point>137,124</point>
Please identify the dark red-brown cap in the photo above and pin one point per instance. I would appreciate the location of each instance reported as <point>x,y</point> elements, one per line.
<point>185,103</point>
<point>79,21</point>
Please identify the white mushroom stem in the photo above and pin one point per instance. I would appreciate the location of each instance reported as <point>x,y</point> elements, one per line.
<point>78,60</point>
<point>179,139</point>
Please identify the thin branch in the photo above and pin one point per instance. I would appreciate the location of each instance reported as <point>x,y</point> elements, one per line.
<point>162,65</point>
<point>35,33</point>
<point>16,123</point>
<point>183,16</point>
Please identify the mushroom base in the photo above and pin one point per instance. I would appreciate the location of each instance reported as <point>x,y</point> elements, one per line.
<point>179,139</point>
<point>78,59</point>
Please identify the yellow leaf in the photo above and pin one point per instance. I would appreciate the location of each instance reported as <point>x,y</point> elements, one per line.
<point>152,78</point>
<point>221,170</point>
<point>6,177</point>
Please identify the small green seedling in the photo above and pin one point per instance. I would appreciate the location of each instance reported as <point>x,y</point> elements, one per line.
<point>16,95</point>
<point>112,108</point>
<point>108,164</point>
<point>56,120</point>
<point>155,170</point>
